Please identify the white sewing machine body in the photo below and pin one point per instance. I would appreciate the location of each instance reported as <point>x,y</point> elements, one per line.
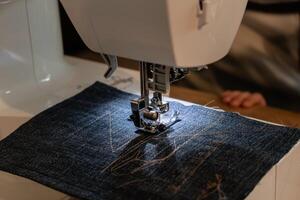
<point>185,33</point>
<point>34,75</point>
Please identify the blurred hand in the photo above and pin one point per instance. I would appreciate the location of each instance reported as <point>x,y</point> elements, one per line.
<point>243,99</point>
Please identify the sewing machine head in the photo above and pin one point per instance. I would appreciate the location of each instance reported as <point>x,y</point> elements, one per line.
<point>167,36</point>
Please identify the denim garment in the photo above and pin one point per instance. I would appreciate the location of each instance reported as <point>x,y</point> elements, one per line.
<point>86,147</point>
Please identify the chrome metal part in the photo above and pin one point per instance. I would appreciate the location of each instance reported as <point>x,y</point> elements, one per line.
<point>144,82</point>
<point>112,62</point>
<point>154,115</point>
<point>177,74</point>
<point>159,78</point>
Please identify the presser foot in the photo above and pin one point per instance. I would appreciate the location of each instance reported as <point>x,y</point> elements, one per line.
<point>154,116</point>
<point>152,119</point>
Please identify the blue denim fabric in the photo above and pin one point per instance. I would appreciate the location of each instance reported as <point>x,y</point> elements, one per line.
<point>86,147</point>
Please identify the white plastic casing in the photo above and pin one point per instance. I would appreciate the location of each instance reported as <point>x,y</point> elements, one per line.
<point>169,32</point>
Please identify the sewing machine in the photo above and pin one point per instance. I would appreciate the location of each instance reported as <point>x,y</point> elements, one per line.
<point>35,74</point>
<point>168,37</point>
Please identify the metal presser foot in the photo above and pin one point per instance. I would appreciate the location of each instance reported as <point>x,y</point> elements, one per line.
<point>154,115</point>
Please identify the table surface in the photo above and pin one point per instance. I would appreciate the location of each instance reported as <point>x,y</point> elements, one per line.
<point>270,114</point>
